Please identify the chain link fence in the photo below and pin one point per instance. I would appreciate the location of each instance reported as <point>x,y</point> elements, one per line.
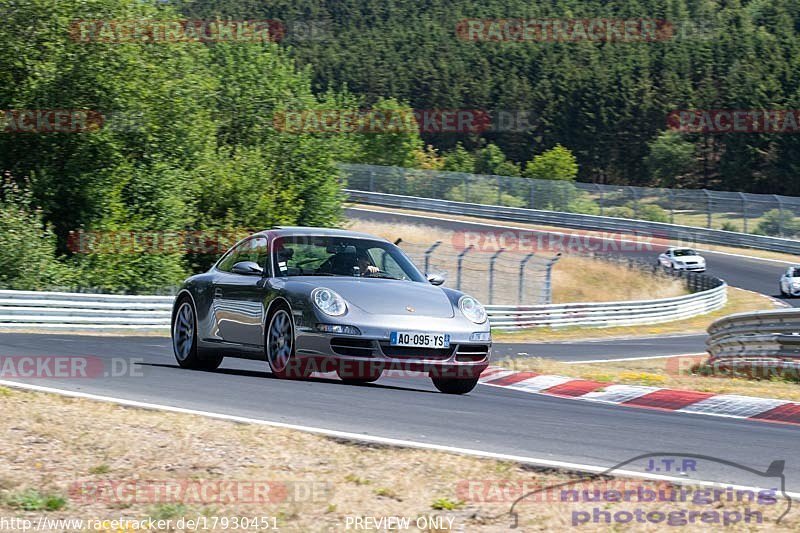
<point>500,277</point>
<point>761,214</point>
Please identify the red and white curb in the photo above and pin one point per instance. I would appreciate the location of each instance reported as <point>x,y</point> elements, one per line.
<point>704,403</point>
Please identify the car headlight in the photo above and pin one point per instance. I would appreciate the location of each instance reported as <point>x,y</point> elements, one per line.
<point>472,309</point>
<point>329,302</point>
<point>796,284</point>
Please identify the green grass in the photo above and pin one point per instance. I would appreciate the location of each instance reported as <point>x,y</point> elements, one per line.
<point>33,500</point>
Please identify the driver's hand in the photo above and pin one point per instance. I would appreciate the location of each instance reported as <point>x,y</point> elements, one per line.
<point>372,269</point>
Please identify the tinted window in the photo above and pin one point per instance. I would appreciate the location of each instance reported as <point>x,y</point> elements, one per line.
<point>341,256</point>
<point>255,250</point>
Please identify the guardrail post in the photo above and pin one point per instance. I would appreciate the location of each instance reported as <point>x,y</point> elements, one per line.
<point>709,204</point>
<point>428,253</point>
<point>744,210</point>
<point>491,274</point>
<point>460,260</point>
<point>548,280</point>
<point>522,274</point>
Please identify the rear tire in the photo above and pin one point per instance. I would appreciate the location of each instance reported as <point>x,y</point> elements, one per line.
<point>455,385</point>
<point>184,340</point>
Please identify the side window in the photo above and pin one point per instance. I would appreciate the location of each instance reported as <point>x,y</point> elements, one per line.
<point>386,263</point>
<point>239,253</point>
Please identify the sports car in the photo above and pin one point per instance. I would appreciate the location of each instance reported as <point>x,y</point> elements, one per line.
<point>790,282</point>
<point>682,259</point>
<point>320,300</point>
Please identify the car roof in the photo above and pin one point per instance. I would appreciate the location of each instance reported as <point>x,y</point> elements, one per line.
<point>288,231</point>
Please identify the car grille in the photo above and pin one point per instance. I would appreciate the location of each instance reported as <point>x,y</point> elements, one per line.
<point>472,353</point>
<point>353,347</point>
<point>402,352</point>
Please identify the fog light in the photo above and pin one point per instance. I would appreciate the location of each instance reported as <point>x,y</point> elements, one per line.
<point>338,329</point>
<point>481,336</point>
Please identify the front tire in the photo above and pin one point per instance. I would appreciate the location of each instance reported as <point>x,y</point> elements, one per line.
<point>280,349</point>
<point>184,340</point>
<point>455,385</point>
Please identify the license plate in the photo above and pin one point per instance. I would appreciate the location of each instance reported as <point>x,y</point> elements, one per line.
<point>416,339</point>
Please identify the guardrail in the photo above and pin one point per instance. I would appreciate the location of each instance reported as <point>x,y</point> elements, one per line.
<point>686,234</point>
<point>758,336</point>
<point>61,310</point>
<point>609,314</point>
<point>67,310</point>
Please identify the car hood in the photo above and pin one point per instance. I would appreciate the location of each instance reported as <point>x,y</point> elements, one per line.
<point>390,297</point>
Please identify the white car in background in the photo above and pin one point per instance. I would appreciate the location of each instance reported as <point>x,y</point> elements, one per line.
<point>790,282</point>
<point>682,259</point>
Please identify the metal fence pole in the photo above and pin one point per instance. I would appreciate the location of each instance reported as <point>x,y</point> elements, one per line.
<point>499,190</point>
<point>548,280</point>
<point>371,181</point>
<point>635,195</point>
<point>522,275</point>
<point>491,274</point>
<point>458,268</point>
<point>709,204</point>
<point>744,211</point>
<point>780,214</point>
<point>671,206</point>
<point>428,253</point>
<point>601,200</point>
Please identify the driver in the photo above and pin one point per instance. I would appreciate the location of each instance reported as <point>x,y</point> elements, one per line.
<point>365,266</point>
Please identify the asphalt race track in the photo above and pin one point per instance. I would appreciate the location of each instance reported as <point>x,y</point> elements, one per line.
<point>489,419</point>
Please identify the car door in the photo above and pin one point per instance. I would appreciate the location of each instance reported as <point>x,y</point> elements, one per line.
<point>238,298</point>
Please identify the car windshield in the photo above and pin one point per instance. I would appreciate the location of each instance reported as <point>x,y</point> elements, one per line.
<point>307,255</point>
<point>683,252</point>
<point>796,272</point>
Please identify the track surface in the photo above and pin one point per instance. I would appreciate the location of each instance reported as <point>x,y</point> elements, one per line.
<point>488,419</point>
<point>604,349</point>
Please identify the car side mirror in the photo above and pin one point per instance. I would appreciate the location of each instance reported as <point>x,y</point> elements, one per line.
<point>435,279</point>
<point>247,268</point>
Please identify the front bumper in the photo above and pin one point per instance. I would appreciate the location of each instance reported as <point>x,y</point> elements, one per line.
<point>691,268</point>
<point>359,354</point>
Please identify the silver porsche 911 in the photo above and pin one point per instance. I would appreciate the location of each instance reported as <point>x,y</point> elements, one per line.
<point>320,300</point>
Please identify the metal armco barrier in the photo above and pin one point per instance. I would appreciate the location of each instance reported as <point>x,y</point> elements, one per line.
<point>756,336</point>
<point>609,314</point>
<point>660,230</point>
<point>65,310</point>
<point>60,310</point>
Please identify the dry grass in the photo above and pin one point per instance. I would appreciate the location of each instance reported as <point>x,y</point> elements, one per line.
<point>580,279</point>
<point>575,278</point>
<point>788,258</point>
<point>739,301</point>
<point>52,442</point>
<point>667,372</point>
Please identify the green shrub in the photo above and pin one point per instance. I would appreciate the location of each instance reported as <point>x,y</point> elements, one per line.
<point>777,222</point>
